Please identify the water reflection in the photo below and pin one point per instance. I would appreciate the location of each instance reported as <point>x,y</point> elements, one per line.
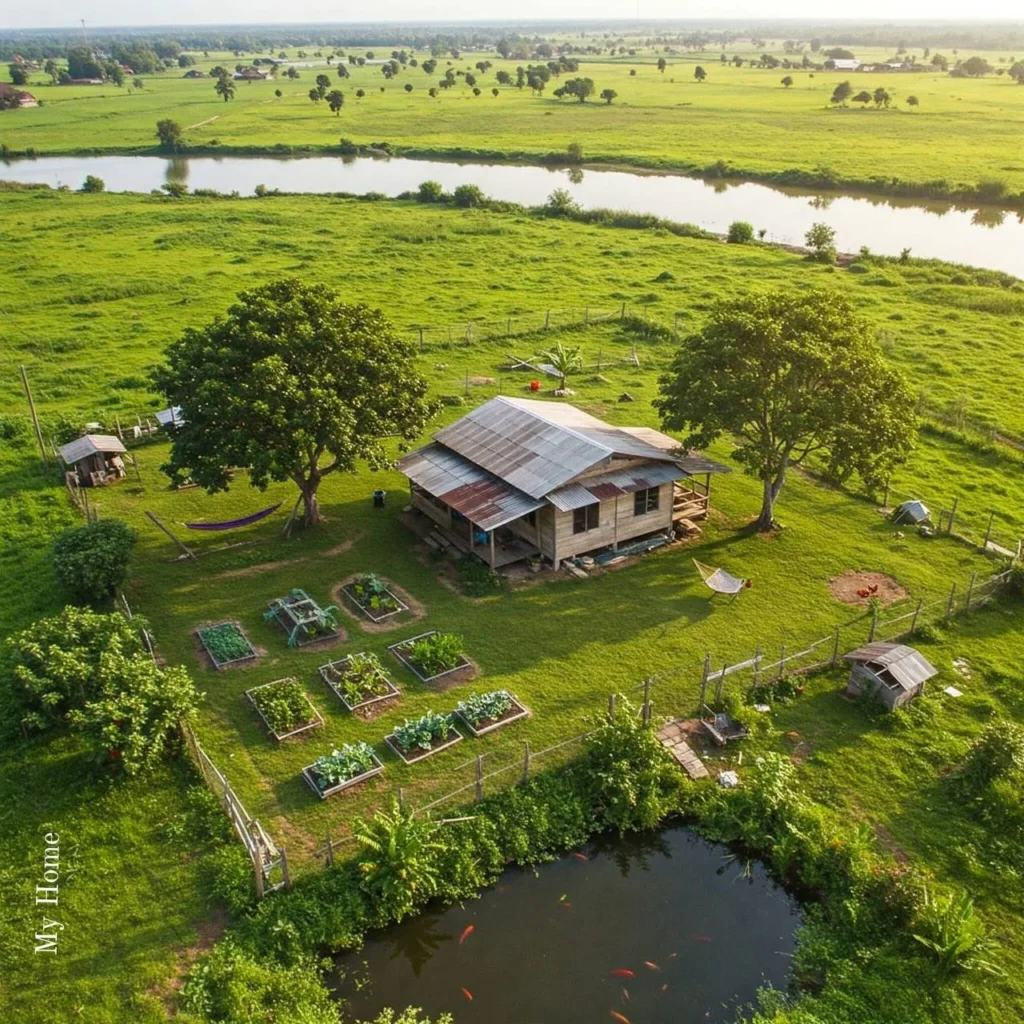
<point>988,218</point>
<point>575,175</point>
<point>417,945</point>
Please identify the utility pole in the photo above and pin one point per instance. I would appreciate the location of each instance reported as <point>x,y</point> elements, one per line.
<point>35,417</point>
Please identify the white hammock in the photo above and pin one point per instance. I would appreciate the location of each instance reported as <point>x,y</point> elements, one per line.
<point>719,580</point>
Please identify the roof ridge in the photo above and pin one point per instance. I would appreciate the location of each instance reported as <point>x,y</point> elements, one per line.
<point>561,426</point>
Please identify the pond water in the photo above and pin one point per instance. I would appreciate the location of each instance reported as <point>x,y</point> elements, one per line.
<point>699,933</point>
<point>986,237</point>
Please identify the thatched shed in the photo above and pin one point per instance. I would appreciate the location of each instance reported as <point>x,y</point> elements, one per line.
<point>894,673</point>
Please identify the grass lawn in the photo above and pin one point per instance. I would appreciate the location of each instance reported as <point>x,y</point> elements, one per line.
<point>964,130</point>
<point>122,275</point>
<point>891,773</point>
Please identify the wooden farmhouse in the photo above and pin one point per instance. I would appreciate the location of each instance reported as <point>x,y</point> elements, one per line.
<point>93,460</point>
<point>894,673</point>
<point>520,479</point>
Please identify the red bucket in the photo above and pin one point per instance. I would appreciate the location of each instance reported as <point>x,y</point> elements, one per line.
<point>535,385</point>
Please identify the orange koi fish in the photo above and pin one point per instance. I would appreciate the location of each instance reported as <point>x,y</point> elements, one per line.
<point>466,932</point>
<point>618,1017</point>
<point>651,966</point>
<point>467,994</point>
<point>581,856</point>
<point>702,938</point>
<point>624,972</point>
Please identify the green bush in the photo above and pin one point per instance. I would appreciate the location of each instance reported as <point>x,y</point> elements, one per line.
<point>995,754</point>
<point>468,195</point>
<point>430,192</point>
<point>227,877</point>
<point>740,232</point>
<point>92,561</point>
<point>93,184</point>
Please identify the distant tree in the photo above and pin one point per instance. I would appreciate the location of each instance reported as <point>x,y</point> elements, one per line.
<point>430,192</point>
<point>185,60</point>
<point>608,95</point>
<point>495,92</point>
<point>175,189</point>
<point>940,62</point>
<point>632,72</point>
<point>113,73</point>
<point>336,378</point>
<point>169,134</point>
<point>842,92</point>
<point>821,240</point>
<point>335,100</point>
<point>795,375</point>
<point>699,73</point>
<point>881,97</point>
<point>431,92</point>
<point>476,91</point>
<point>137,82</point>
<point>82,63</point>
<point>862,97</point>
<point>360,93</point>
<point>561,204</point>
<point>574,152</point>
<point>224,88</point>
<point>581,88</point>
<point>662,64</point>
<point>51,68</point>
<point>314,95</point>
<point>815,45</point>
<point>323,83</point>
<point>787,81</point>
<point>838,53</point>
<point>470,79</point>
<point>740,232</point>
<point>278,93</point>
<point>343,71</point>
<point>564,360</point>
<point>468,195</point>
<point>292,72</point>
<point>503,78</point>
<point>19,76</point>
<point>93,184</point>
<point>1016,72</point>
<point>408,86</point>
<point>976,67</point>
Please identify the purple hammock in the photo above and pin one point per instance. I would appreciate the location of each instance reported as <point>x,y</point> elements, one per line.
<point>231,524</point>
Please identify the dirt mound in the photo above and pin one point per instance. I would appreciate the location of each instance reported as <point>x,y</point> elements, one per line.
<point>856,587</point>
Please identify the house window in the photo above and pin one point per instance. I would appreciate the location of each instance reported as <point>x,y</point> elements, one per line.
<point>586,518</point>
<point>645,501</point>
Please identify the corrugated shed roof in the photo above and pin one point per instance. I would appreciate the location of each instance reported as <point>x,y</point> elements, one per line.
<point>526,450</point>
<point>622,442</point>
<point>907,666</point>
<point>479,495</point>
<point>610,485</point>
<point>83,447</point>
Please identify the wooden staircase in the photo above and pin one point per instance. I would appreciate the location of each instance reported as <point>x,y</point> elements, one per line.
<point>688,504</point>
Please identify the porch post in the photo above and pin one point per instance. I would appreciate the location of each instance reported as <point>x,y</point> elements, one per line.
<point>491,537</point>
<point>615,525</point>
<point>707,487</point>
<point>472,538</point>
<point>536,526</point>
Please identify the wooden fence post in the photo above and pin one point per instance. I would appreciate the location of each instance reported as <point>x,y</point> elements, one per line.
<point>421,339</point>
<point>611,707</point>
<point>479,778</point>
<point>330,850</point>
<point>782,663</point>
<point>622,312</point>
<point>970,591</point>
<point>257,869</point>
<point>988,530</point>
<point>949,603</point>
<point>526,761</point>
<point>35,417</point>
<point>873,626</point>
<point>719,686</point>
<point>917,612</point>
<point>757,667</point>
<point>284,868</point>
<point>952,515</point>
<point>835,650</point>
<point>704,679</point>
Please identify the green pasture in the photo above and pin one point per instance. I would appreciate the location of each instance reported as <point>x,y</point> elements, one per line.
<point>963,131</point>
<point>97,287</point>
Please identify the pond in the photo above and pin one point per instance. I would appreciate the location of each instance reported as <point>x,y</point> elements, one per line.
<point>986,237</point>
<point>661,928</point>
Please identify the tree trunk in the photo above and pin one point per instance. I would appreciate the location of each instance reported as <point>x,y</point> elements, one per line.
<point>310,506</point>
<point>766,520</point>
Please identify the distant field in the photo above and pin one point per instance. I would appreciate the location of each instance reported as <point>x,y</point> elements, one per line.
<point>964,130</point>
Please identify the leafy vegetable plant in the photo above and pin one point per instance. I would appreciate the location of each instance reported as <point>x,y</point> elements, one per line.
<point>341,765</point>
<point>283,705</point>
<point>423,732</point>
<point>484,707</point>
<point>372,593</point>
<point>362,679</point>
<point>437,652</point>
<point>225,642</point>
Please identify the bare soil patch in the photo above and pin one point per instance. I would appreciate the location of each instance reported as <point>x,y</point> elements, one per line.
<point>209,930</point>
<point>255,570</point>
<point>858,587</point>
<point>416,609</point>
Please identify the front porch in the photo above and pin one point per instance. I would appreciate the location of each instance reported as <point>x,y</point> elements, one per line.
<point>691,499</point>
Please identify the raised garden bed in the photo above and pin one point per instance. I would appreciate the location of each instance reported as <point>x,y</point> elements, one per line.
<point>302,618</point>
<point>432,656</point>
<point>423,737</point>
<point>359,681</point>
<point>370,595</point>
<point>352,764</point>
<point>226,645</point>
<point>484,712</point>
<point>284,707</point>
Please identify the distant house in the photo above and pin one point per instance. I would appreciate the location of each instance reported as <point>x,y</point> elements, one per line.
<point>126,70</point>
<point>11,97</point>
<point>517,479</point>
<point>194,73</point>
<point>842,65</point>
<point>250,75</point>
<point>93,460</point>
<point>894,673</point>
<point>84,81</point>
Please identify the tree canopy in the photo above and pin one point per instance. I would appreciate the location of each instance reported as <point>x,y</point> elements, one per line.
<point>790,376</point>
<point>293,384</point>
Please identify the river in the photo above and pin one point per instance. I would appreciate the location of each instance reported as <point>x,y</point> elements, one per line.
<point>986,237</point>
<point>658,928</point>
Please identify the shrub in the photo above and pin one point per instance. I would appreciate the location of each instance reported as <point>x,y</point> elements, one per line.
<point>468,195</point>
<point>93,184</point>
<point>954,935</point>
<point>227,878</point>
<point>740,232</point>
<point>92,561</point>
<point>430,192</point>
<point>561,204</point>
<point>820,239</point>
<point>995,754</point>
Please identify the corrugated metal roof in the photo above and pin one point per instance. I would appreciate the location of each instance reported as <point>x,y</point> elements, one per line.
<point>83,447</point>
<point>622,442</point>
<point>610,485</point>
<point>907,666</point>
<point>521,447</point>
<point>480,496</point>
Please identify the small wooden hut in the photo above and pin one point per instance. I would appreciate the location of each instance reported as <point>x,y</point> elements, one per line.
<point>93,460</point>
<point>894,673</point>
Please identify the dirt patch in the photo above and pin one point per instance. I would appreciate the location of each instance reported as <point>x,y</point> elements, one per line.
<point>376,709</point>
<point>463,675</point>
<point>416,609</point>
<point>203,657</point>
<point>340,549</point>
<point>255,570</point>
<point>858,587</point>
<point>209,930</point>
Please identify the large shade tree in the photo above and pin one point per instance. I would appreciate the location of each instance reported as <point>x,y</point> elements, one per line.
<point>293,384</point>
<point>790,377</point>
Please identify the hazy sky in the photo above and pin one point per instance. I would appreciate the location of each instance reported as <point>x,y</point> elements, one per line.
<point>56,13</point>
